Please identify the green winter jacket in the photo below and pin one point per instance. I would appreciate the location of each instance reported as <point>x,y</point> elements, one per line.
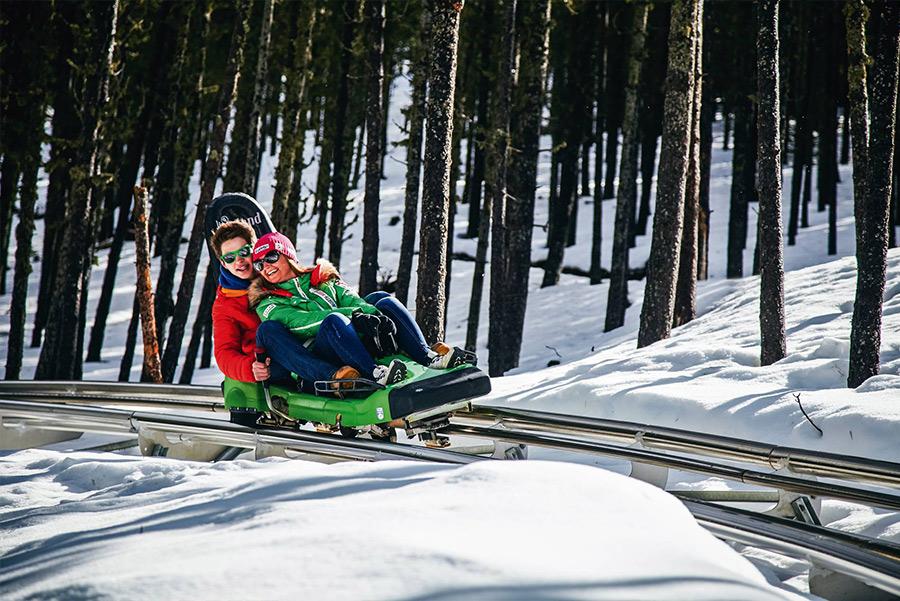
<point>301,307</point>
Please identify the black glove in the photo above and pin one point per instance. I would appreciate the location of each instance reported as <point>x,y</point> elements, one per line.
<point>387,336</point>
<point>377,333</point>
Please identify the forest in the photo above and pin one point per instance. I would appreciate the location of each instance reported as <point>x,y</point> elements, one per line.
<point>621,98</point>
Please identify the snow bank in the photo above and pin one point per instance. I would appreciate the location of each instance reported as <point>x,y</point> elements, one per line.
<point>89,525</point>
<point>707,376</point>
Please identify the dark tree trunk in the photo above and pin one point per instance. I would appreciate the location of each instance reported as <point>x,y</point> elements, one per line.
<point>599,123</point>
<point>211,170</point>
<point>858,105</point>
<point>615,82</point>
<point>61,354</point>
<point>771,259</point>
<point>343,139</point>
<point>414,154</point>
<point>284,203</point>
<point>617,299</point>
<point>254,123</point>
<point>130,341</point>
<point>803,132</point>
<point>500,257</point>
<point>574,95</point>
<point>65,127</point>
<point>204,311</point>
<point>707,114</point>
<point>865,335</point>
<point>476,180</point>
<point>686,288</point>
<point>525,124</point>
<point>737,216</point>
<point>25,71</point>
<point>368,270</point>
<point>662,267</point>
<point>436,177</point>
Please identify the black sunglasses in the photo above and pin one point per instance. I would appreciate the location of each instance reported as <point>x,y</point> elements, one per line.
<point>243,252</point>
<point>271,257</point>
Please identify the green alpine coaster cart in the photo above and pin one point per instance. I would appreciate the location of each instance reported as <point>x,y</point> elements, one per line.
<point>421,404</point>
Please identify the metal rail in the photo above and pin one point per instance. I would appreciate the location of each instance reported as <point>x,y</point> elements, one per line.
<point>873,562</point>
<point>800,461</point>
<point>215,431</point>
<point>688,464</point>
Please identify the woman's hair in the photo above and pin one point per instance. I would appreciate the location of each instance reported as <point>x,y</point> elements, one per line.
<point>227,231</point>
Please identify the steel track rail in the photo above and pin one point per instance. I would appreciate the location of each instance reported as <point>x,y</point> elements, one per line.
<point>688,464</point>
<point>800,461</point>
<point>215,431</point>
<point>874,562</point>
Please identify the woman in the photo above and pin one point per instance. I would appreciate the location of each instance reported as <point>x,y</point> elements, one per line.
<point>236,328</point>
<point>317,306</point>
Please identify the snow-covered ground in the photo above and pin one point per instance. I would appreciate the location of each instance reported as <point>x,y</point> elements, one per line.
<point>88,525</point>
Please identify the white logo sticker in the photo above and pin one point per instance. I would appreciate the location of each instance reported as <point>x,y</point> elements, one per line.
<point>268,310</point>
<point>379,412</point>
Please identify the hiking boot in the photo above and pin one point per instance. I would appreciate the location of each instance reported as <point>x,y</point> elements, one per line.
<point>390,374</point>
<point>451,357</point>
<point>344,373</point>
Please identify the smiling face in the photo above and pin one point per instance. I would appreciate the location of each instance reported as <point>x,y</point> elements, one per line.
<point>277,272</point>
<point>241,267</point>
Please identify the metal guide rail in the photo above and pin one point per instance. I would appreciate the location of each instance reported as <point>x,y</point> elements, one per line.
<point>869,561</point>
<point>49,416</point>
<point>800,461</point>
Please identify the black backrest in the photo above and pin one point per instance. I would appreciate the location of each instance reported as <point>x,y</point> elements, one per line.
<point>236,206</point>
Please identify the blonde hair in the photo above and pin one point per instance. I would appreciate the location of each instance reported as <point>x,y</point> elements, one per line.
<point>228,231</point>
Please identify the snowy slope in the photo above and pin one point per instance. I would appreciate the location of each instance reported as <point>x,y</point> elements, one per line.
<point>127,528</point>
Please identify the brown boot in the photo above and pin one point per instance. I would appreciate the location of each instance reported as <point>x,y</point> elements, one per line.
<point>441,348</point>
<point>344,373</point>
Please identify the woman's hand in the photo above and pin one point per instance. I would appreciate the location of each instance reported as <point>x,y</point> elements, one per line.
<point>261,370</point>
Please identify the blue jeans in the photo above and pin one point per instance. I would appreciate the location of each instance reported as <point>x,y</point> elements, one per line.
<point>339,343</point>
<point>289,355</point>
<point>409,336</point>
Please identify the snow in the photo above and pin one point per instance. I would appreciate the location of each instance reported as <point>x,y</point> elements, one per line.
<point>76,524</point>
<point>88,525</point>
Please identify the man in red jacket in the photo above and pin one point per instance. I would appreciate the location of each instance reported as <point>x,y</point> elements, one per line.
<point>235,325</point>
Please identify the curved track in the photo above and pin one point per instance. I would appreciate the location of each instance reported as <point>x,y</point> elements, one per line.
<point>66,406</point>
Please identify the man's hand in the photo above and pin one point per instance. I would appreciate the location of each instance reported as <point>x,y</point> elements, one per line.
<point>261,370</point>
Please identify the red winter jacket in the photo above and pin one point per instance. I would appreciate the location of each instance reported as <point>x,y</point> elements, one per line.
<point>234,334</point>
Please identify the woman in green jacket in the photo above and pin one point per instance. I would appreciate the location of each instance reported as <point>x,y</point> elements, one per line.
<point>317,307</point>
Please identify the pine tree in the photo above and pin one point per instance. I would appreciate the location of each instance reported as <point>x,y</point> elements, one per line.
<point>210,176</point>
<point>436,178</point>
<point>771,259</point>
<point>662,267</point>
<point>525,129</point>
<point>416,120</point>
<point>61,352</point>
<point>865,335</point>
<point>368,271</point>
<point>617,300</point>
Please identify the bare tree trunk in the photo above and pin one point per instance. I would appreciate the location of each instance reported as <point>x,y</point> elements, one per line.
<point>207,187</point>
<point>204,312</point>
<point>771,258</point>
<point>500,255</point>
<point>525,126</point>
<point>865,335</point>
<point>152,364</point>
<point>254,124</point>
<point>368,269</point>
<point>419,72</point>
<point>617,300</point>
<point>662,267</point>
<point>343,139</point>
<point>436,178</point>
<point>686,287</point>
<point>737,215</point>
<point>707,113</point>
<point>61,354</point>
<point>284,204</point>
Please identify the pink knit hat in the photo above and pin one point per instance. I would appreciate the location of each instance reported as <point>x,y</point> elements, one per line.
<point>274,241</point>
